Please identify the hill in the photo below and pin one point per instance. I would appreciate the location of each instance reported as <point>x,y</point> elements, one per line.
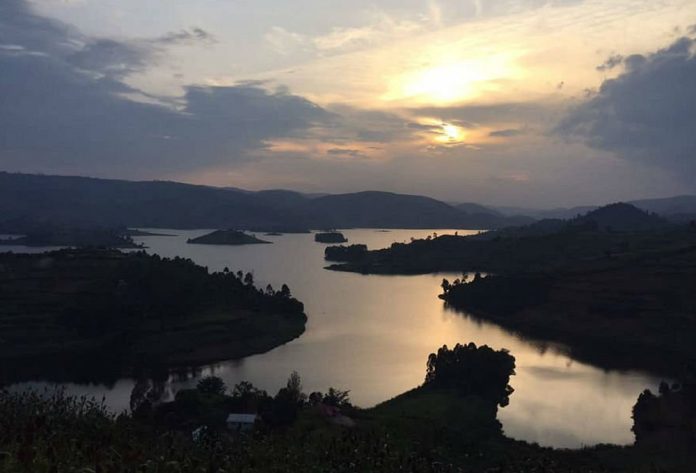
<point>85,201</point>
<point>620,217</point>
<point>474,208</point>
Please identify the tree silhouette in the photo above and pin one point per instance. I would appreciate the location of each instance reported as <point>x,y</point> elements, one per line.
<point>472,370</point>
<point>211,385</point>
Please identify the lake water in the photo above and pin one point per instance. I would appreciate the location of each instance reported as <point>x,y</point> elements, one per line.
<point>372,335</point>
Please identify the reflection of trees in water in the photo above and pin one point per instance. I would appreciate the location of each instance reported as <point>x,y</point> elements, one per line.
<point>540,345</point>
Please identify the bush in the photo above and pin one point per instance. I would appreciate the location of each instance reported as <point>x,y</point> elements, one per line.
<point>211,385</point>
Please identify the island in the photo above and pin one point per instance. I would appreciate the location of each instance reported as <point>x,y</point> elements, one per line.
<point>330,237</point>
<point>114,311</point>
<point>227,237</point>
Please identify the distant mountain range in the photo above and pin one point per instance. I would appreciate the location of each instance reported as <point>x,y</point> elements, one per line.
<point>27,198</point>
<point>66,200</point>
<point>677,209</point>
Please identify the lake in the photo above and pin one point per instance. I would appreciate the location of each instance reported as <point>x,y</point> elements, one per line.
<point>372,335</point>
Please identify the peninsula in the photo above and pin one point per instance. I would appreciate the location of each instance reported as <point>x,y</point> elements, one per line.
<point>125,309</point>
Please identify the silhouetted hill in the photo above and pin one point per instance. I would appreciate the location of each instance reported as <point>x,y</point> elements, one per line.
<point>106,202</point>
<point>554,213</point>
<point>615,229</point>
<point>620,217</point>
<point>473,208</point>
<point>88,201</point>
<point>383,209</point>
<point>679,208</point>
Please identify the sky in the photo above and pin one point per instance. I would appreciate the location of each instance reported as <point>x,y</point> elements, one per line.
<point>536,103</point>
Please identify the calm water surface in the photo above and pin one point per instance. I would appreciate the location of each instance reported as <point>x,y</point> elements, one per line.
<point>372,335</point>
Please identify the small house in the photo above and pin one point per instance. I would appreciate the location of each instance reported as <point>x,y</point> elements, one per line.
<point>241,422</point>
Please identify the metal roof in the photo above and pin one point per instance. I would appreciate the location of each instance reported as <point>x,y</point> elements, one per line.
<point>241,418</point>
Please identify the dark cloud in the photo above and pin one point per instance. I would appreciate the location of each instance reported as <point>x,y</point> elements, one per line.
<point>506,133</point>
<point>64,108</point>
<point>192,36</point>
<point>648,112</point>
<point>112,58</point>
<point>611,62</point>
<point>353,124</point>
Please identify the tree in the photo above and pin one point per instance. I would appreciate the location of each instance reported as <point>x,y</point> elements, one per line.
<point>249,279</point>
<point>294,387</point>
<point>211,385</point>
<point>336,397</point>
<point>285,291</point>
<point>445,285</point>
<point>478,371</point>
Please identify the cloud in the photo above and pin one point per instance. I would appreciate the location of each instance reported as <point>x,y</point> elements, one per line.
<point>192,36</point>
<point>647,113</point>
<point>611,62</point>
<point>65,108</point>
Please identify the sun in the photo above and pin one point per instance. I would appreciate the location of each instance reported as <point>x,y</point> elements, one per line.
<point>450,134</point>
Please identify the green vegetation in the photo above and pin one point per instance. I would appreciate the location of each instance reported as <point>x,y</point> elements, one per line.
<point>103,309</point>
<point>330,237</point>
<point>442,426</point>
<point>226,237</point>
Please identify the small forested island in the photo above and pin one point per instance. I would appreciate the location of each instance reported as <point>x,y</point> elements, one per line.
<point>345,253</point>
<point>448,424</point>
<point>330,237</point>
<point>114,311</point>
<point>227,237</point>
<point>74,236</point>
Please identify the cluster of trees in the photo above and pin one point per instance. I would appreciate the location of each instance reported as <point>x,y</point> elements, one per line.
<point>666,422</point>
<point>471,370</point>
<point>210,402</point>
<point>139,287</point>
<point>330,237</point>
<point>345,253</point>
